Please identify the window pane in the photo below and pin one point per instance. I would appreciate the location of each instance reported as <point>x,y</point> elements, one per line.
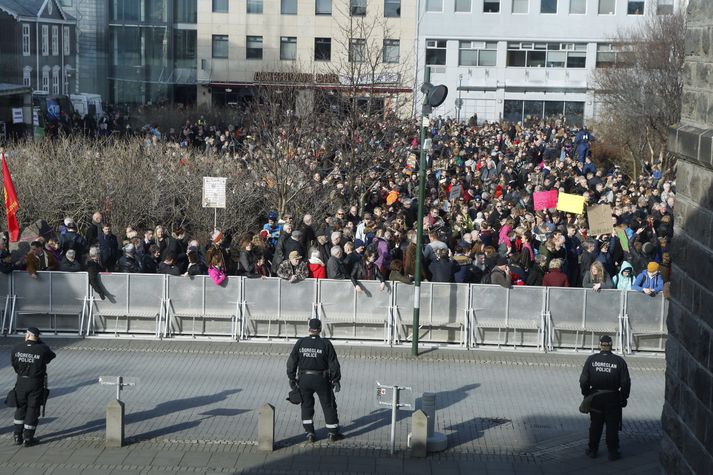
<point>288,7</point>
<point>220,46</point>
<point>322,49</point>
<point>184,47</point>
<point>434,5</point>
<point>254,6</point>
<point>574,114</point>
<point>468,57</point>
<point>556,59</point>
<point>254,47</point>
<point>185,11</point>
<point>358,7</point>
<point>664,7</point>
<point>606,7</point>
<point>635,7</point>
<point>554,109</point>
<point>435,57</point>
<point>323,7</point>
<point>548,6</point>
<point>516,58</point>
<point>392,8</point>
<point>491,6</point>
<point>536,59</point>
<point>487,58</point>
<point>288,48</point>
<point>462,6</point>
<point>578,7</point>
<point>220,6</point>
<point>391,51</point>
<point>356,50</point>
<point>520,6</point>
<point>576,60</point>
<point>512,111</point>
<point>533,110</point>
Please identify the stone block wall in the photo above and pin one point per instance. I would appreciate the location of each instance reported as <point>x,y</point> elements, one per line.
<point>687,418</point>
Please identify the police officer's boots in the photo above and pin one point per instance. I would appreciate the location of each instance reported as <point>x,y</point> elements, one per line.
<point>29,438</point>
<point>18,433</point>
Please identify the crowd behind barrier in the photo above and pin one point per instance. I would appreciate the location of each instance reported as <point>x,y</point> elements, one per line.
<point>469,315</point>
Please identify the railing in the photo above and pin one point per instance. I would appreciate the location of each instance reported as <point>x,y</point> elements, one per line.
<point>163,306</point>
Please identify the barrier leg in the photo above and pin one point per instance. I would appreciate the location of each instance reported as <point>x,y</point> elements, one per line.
<point>12,317</point>
<point>4,314</point>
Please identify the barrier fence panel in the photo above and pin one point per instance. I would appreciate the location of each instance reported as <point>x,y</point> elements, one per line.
<point>488,304</point>
<point>285,306</point>
<point>32,302</point>
<point>133,304</point>
<point>261,307</point>
<point>566,316</point>
<point>525,319</point>
<point>603,313</point>
<point>337,308</point>
<point>197,306</point>
<point>449,304</point>
<point>68,297</point>
<point>298,303</point>
<point>402,313</point>
<point>373,311</point>
<point>5,300</point>
<point>646,322</point>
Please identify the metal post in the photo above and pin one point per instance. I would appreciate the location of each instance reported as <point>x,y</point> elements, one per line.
<point>119,384</point>
<point>419,226</point>
<point>394,408</point>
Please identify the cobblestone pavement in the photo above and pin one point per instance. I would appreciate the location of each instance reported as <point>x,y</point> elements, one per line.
<point>193,411</point>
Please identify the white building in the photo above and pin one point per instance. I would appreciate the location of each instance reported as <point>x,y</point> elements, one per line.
<point>508,59</point>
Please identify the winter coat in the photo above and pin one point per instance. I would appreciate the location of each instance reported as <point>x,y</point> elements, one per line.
<point>317,270</point>
<point>442,270</point>
<point>335,269</point>
<point>68,266</point>
<point>644,281</point>
<point>129,265</point>
<point>588,283</point>
<point>555,278</point>
<point>622,282</point>
<point>536,276</point>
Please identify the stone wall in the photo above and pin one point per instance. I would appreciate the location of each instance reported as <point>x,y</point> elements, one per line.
<point>687,446</point>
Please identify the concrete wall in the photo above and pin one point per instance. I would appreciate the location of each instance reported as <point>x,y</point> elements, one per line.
<point>687,418</point>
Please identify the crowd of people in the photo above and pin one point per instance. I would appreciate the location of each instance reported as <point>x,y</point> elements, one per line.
<point>480,225</point>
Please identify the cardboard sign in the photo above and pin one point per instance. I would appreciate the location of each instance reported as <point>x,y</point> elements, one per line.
<point>544,199</point>
<point>213,192</point>
<point>456,192</point>
<point>570,203</point>
<point>599,217</point>
<point>623,240</point>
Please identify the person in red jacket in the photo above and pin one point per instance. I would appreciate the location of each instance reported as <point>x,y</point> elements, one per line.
<point>316,267</point>
<point>555,277</point>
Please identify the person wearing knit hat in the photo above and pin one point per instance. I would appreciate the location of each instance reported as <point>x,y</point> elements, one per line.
<point>649,281</point>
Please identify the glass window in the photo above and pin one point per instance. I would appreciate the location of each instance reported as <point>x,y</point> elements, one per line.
<point>556,59</point>
<point>220,46</point>
<point>391,51</point>
<point>520,6</point>
<point>25,39</point>
<point>220,6</point>
<point>664,7</point>
<point>254,6</point>
<point>491,6</point>
<point>536,59</point>
<point>606,7</point>
<point>462,6</point>
<point>512,111</point>
<point>65,81</point>
<point>66,42</point>
<point>27,77</point>
<point>477,53</point>
<point>288,48</point>
<point>517,58</point>
<point>436,52</point>
<point>392,8</point>
<point>606,55</point>
<point>253,47</point>
<point>533,110</point>
<point>434,5</point>
<point>126,10</point>
<point>184,47</point>
<point>578,7</point>
<point>554,109</point>
<point>46,80</point>
<point>185,11</point>
<point>357,50</point>
<point>322,49</point>
<point>357,7</point>
<point>323,7</point>
<point>156,10</point>
<point>635,7</point>
<point>288,7</point>
<point>576,59</point>
<point>548,6</point>
<point>55,41</point>
<point>574,114</point>
<point>45,40</point>
<point>55,80</point>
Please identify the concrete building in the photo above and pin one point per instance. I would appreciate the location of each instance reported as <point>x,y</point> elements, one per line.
<point>37,45</point>
<point>508,59</point>
<point>321,44</point>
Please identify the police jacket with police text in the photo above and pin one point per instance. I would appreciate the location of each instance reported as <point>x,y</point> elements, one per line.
<point>30,358</point>
<point>313,353</point>
<point>605,370</point>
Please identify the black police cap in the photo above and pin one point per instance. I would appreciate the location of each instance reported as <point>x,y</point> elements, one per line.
<point>34,330</point>
<point>315,324</point>
<point>605,340</point>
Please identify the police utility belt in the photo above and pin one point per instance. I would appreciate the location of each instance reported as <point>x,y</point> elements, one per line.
<point>314,372</point>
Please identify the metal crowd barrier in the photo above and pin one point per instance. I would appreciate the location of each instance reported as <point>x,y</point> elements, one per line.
<point>546,318</point>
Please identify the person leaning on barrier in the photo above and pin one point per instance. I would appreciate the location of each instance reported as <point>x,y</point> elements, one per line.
<point>605,384</point>
<point>69,262</point>
<point>39,260</point>
<point>649,281</point>
<point>294,268</point>
<point>313,367</point>
<point>94,267</point>
<point>29,360</point>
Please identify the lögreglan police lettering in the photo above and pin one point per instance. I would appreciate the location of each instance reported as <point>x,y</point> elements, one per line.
<point>603,367</point>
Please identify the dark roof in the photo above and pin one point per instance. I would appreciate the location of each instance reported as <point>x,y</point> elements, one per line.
<point>28,8</point>
<point>7,89</point>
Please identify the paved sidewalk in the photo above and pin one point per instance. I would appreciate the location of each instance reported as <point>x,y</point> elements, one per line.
<point>193,411</point>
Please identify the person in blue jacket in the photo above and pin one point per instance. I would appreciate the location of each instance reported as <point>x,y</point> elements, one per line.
<point>649,281</point>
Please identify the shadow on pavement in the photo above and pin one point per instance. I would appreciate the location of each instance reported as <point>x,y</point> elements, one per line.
<point>468,431</point>
<point>219,412</point>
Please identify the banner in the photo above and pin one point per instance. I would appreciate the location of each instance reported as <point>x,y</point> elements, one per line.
<point>599,217</point>
<point>544,199</point>
<point>11,204</point>
<point>570,203</point>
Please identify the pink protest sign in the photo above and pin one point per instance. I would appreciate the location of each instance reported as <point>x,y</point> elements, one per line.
<point>544,199</point>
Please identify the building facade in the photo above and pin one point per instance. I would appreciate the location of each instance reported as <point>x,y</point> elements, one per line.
<point>514,59</point>
<point>328,44</point>
<point>38,46</point>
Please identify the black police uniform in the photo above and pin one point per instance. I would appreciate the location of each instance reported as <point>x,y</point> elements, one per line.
<point>318,372</point>
<point>605,371</point>
<point>29,359</point>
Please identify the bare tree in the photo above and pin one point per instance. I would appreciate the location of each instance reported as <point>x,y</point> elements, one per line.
<point>640,92</point>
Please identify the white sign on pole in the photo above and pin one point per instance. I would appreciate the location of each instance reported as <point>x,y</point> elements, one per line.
<point>17,117</point>
<point>213,192</point>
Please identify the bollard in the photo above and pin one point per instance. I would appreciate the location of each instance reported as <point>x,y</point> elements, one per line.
<point>115,424</point>
<point>419,434</point>
<point>266,428</point>
<point>437,441</point>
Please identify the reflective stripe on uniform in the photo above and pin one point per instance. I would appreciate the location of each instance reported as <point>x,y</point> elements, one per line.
<point>28,427</point>
<point>18,422</point>
<point>331,426</point>
<point>307,422</point>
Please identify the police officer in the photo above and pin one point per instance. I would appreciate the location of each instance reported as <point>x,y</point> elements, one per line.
<point>29,359</point>
<point>605,379</point>
<point>314,368</point>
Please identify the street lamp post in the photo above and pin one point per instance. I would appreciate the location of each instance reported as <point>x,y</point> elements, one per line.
<point>433,96</point>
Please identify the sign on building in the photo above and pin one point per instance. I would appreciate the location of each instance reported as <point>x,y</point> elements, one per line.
<point>17,117</point>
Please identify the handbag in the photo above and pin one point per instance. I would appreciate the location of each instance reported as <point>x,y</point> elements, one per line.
<point>11,399</point>
<point>295,396</point>
<point>586,406</point>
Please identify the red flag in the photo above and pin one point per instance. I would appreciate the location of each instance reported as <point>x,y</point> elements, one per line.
<point>11,204</point>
